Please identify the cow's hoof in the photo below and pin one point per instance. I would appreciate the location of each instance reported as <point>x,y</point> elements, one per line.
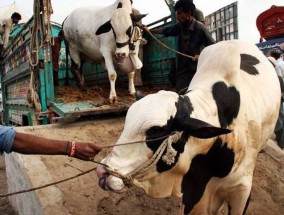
<point>133,93</point>
<point>113,100</point>
<point>80,80</point>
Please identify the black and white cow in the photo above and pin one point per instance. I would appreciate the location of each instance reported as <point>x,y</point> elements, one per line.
<point>220,124</point>
<point>104,35</point>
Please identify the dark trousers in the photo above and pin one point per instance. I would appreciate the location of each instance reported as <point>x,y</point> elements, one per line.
<point>55,78</point>
<point>183,80</point>
<point>1,51</point>
<point>279,128</point>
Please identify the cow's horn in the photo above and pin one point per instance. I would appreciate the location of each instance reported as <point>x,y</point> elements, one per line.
<point>138,17</point>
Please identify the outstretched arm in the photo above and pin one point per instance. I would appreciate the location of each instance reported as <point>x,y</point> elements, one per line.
<point>29,144</point>
<point>10,140</point>
<point>156,31</point>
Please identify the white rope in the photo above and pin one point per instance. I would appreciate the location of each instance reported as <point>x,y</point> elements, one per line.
<point>150,164</point>
<point>166,46</point>
<point>85,172</point>
<point>34,44</point>
<point>32,96</point>
<point>47,11</point>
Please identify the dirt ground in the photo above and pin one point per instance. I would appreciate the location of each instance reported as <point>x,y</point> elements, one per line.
<point>82,196</point>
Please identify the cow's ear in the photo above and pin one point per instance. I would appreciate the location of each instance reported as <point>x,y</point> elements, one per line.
<point>137,17</point>
<point>201,129</point>
<point>119,5</point>
<point>104,28</point>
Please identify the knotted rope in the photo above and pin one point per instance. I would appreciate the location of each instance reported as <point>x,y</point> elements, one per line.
<point>32,96</point>
<point>150,165</point>
<point>128,179</point>
<point>166,46</point>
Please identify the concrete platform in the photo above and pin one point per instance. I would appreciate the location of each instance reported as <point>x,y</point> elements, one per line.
<point>28,171</point>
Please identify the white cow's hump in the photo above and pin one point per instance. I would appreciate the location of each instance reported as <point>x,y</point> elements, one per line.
<point>258,92</point>
<point>87,18</point>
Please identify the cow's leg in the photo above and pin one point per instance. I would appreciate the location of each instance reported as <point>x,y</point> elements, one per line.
<point>131,86</point>
<point>216,205</point>
<point>112,77</point>
<point>75,66</point>
<point>247,204</point>
<point>246,207</point>
<point>239,201</point>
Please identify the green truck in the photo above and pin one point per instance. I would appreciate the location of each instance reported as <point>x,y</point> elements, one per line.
<point>29,95</point>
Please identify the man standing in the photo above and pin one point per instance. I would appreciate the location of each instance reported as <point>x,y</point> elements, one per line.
<point>278,63</point>
<point>5,28</point>
<point>55,56</point>
<point>277,53</point>
<point>192,37</point>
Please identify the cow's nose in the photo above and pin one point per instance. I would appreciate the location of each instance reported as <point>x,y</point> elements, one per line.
<point>120,55</point>
<point>100,171</point>
<point>103,182</point>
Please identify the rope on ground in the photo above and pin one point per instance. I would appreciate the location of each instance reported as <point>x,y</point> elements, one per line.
<point>48,185</point>
<point>166,46</point>
<point>85,172</point>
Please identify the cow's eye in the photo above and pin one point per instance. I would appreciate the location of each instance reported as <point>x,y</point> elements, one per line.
<point>156,131</point>
<point>128,32</point>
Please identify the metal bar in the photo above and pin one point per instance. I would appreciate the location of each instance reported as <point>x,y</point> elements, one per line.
<point>48,74</point>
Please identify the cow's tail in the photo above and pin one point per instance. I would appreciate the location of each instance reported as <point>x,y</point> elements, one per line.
<point>64,21</point>
<point>62,27</point>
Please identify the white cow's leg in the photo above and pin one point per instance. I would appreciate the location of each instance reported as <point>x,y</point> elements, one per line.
<point>75,66</point>
<point>131,86</point>
<point>239,201</point>
<point>112,78</point>
<point>216,205</point>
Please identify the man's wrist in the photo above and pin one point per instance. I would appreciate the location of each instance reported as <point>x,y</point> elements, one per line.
<point>72,150</point>
<point>67,150</point>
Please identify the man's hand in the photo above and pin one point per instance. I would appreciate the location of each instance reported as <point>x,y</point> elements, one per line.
<point>86,151</point>
<point>195,58</point>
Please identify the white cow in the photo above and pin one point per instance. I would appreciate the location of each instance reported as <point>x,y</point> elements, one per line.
<point>104,35</point>
<point>222,122</point>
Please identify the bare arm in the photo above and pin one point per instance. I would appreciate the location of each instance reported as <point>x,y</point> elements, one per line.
<point>156,31</point>
<point>29,144</point>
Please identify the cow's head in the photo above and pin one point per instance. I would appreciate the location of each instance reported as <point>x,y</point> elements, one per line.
<point>159,171</point>
<point>122,24</point>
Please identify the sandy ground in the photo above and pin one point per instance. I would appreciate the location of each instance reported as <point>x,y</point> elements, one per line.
<point>82,196</point>
<point>5,207</point>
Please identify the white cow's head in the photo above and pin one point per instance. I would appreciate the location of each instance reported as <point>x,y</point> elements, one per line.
<point>122,25</point>
<point>158,115</point>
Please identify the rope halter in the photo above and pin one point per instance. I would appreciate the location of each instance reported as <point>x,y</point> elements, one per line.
<point>149,166</point>
<point>135,37</point>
